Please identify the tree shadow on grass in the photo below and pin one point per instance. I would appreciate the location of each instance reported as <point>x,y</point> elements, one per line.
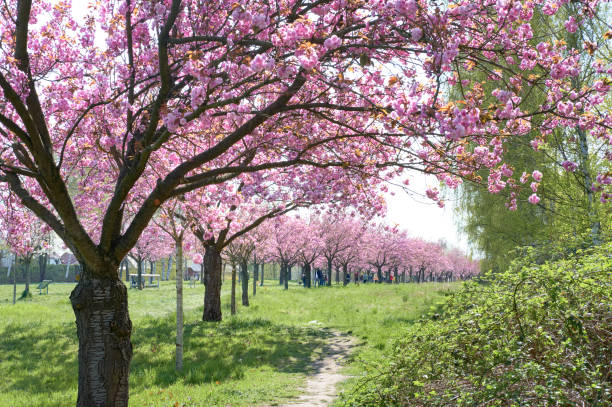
<point>215,352</point>
<point>38,359</point>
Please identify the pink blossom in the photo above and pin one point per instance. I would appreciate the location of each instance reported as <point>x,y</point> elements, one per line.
<point>604,179</point>
<point>332,42</point>
<point>416,34</point>
<point>174,158</point>
<point>197,258</point>
<point>524,177</point>
<point>569,166</point>
<point>536,143</point>
<point>571,25</point>
<point>537,175</point>
<point>261,62</point>
<point>405,7</point>
<point>534,199</point>
<point>550,8</point>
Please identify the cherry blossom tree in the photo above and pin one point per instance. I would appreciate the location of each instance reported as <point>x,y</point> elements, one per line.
<point>157,99</point>
<point>23,233</point>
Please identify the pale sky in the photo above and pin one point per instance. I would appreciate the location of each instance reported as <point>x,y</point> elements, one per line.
<point>422,217</point>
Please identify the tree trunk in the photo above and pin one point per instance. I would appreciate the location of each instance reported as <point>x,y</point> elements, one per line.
<point>344,271</point>
<point>584,167</point>
<point>104,328</point>
<point>42,266</point>
<point>262,274</point>
<point>179,305</point>
<point>255,277</point>
<point>27,262</point>
<point>329,272</point>
<point>379,272</point>
<point>244,271</point>
<point>212,284</point>
<point>127,270</point>
<point>152,268</point>
<point>287,276</point>
<point>233,299</point>
<point>14,283</point>
<point>169,268</point>
<point>281,275</point>
<point>307,274</point>
<point>395,276</point>
<point>140,282</point>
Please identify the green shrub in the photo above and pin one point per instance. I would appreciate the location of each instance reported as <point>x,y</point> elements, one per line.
<point>539,334</point>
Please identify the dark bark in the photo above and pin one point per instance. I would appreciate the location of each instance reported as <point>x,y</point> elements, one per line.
<point>286,276</point>
<point>281,275</point>
<point>262,274</point>
<point>344,273</point>
<point>329,272</point>
<point>152,270</point>
<point>169,268</point>
<point>127,270</point>
<point>244,272</point>
<point>255,277</point>
<point>103,328</point>
<point>307,273</point>
<point>140,282</point>
<point>212,284</point>
<point>42,266</point>
<point>395,276</point>
<point>337,274</point>
<point>233,298</point>
<point>26,272</point>
<point>380,275</point>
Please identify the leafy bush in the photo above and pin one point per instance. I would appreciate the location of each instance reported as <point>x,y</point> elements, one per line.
<point>539,334</point>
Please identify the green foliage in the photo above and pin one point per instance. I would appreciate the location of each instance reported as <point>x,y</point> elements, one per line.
<point>568,209</point>
<point>536,335</point>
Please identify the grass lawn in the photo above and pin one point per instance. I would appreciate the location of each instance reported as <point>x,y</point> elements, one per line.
<point>260,356</point>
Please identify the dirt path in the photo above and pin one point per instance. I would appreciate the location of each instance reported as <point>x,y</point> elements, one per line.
<point>320,389</point>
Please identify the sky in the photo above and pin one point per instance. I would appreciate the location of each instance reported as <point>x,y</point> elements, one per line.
<point>422,217</point>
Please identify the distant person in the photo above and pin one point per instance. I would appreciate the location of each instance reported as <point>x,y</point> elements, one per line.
<point>375,278</point>
<point>303,279</point>
<point>356,278</point>
<point>347,278</point>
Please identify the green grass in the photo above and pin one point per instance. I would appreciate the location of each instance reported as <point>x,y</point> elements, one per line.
<point>260,356</point>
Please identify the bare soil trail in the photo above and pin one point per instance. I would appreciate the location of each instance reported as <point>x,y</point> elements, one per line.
<point>320,388</point>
